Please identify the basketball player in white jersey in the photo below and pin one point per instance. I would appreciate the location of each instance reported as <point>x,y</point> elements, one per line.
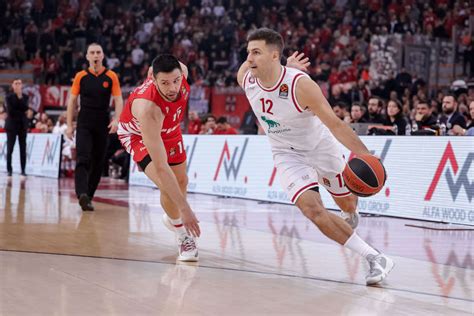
<point>303,132</point>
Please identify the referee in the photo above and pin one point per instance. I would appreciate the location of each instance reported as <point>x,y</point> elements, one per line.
<point>95,86</point>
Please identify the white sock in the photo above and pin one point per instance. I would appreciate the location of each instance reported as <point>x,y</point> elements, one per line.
<point>355,243</point>
<point>178,226</point>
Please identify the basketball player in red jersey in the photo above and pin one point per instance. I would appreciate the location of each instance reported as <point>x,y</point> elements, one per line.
<point>149,129</point>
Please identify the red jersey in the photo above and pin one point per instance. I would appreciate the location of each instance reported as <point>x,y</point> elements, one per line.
<point>173,111</point>
<point>129,132</point>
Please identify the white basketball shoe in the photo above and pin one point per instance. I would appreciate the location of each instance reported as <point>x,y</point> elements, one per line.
<point>187,249</point>
<point>379,267</point>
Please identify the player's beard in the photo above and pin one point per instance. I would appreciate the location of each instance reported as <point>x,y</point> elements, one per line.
<point>166,97</point>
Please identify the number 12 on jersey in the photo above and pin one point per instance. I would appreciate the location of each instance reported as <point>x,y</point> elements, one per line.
<point>267,106</point>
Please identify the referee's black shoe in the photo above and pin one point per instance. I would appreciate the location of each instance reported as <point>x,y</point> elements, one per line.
<point>85,202</point>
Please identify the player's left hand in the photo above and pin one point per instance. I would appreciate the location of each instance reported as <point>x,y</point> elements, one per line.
<point>113,126</point>
<point>298,61</point>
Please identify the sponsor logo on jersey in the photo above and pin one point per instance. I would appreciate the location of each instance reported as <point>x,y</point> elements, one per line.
<point>283,91</point>
<point>105,84</point>
<point>252,80</point>
<point>326,182</point>
<point>270,123</point>
<point>184,93</point>
<point>172,151</point>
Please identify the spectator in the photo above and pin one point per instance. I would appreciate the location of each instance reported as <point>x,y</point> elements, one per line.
<point>341,110</point>
<point>395,117</point>
<point>3,116</point>
<point>451,116</point>
<point>61,126</point>
<point>138,56</point>
<point>208,125</point>
<point>223,127</point>
<point>249,123</point>
<point>424,117</point>
<point>457,130</point>
<point>52,69</point>
<point>357,113</point>
<point>38,66</point>
<point>113,62</point>
<point>375,107</point>
<point>194,124</point>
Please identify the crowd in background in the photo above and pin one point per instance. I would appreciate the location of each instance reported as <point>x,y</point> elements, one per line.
<point>209,36</point>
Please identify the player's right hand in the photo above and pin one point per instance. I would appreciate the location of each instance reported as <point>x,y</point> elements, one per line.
<point>190,222</point>
<point>70,132</point>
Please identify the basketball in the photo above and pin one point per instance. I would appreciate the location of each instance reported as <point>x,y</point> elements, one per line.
<point>364,175</point>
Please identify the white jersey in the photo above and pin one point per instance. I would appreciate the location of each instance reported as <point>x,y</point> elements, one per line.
<point>287,124</point>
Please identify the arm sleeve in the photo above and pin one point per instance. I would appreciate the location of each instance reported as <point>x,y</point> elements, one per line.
<point>24,103</point>
<point>76,84</point>
<point>116,91</point>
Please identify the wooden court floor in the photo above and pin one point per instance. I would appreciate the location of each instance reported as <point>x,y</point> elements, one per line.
<point>255,259</point>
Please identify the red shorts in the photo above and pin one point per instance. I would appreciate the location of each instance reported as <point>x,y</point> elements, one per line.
<point>174,148</point>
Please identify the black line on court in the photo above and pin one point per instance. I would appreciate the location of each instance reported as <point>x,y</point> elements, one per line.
<point>246,271</point>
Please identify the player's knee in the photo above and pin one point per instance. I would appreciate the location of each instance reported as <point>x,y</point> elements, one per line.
<point>183,182</point>
<point>312,209</point>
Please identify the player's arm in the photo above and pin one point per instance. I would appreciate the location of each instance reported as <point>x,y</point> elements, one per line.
<point>151,119</point>
<point>241,73</point>
<point>309,95</point>
<point>184,69</point>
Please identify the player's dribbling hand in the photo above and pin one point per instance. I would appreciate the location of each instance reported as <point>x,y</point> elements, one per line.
<point>298,61</point>
<point>190,222</point>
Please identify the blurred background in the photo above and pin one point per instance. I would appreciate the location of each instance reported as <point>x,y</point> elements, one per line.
<point>401,53</point>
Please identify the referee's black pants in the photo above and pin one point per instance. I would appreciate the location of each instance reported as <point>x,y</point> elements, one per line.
<point>11,139</point>
<point>91,145</point>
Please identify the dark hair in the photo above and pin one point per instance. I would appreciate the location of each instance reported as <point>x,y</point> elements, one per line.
<point>425,101</point>
<point>165,63</point>
<point>206,118</point>
<point>221,120</point>
<point>359,105</point>
<point>270,37</point>
<point>342,105</point>
<point>379,101</point>
<point>399,106</point>
<point>451,95</point>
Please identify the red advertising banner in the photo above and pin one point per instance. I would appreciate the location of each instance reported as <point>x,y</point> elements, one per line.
<point>52,96</point>
<point>231,103</point>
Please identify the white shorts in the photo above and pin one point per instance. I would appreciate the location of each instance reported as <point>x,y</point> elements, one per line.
<point>303,170</point>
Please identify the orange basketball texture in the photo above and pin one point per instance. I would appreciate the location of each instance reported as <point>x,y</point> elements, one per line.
<point>364,175</point>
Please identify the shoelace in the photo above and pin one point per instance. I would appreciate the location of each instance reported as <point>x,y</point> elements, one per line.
<point>188,244</point>
<point>373,262</point>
